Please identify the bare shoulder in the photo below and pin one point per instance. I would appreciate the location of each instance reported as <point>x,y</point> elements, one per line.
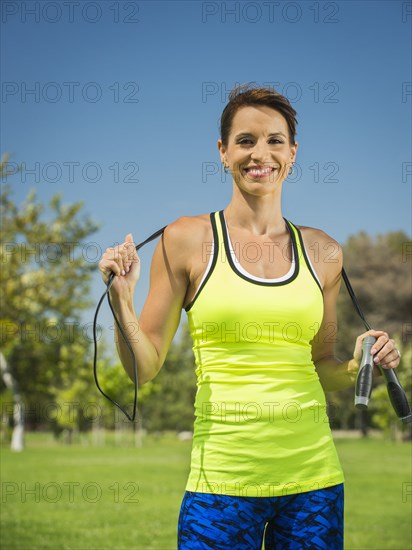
<point>183,241</point>
<point>312,236</point>
<point>324,252</point>
<point>188,231</point>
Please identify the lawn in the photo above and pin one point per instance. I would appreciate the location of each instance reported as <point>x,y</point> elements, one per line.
<point>84,497</point>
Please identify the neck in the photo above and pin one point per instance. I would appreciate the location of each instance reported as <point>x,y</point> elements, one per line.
<point>260,215</point>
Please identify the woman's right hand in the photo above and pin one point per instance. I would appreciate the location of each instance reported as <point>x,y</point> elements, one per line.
<point>124,262</point>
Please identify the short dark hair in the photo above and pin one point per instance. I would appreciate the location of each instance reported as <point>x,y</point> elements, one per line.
<point>246,95</point>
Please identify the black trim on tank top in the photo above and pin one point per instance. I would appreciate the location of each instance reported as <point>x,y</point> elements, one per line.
<point>214,260</point>
<point>302,246</point>
<point>240,274</point>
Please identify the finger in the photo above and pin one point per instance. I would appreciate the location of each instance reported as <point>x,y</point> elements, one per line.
<point>131,255</point>
<point>133,262</point>
<point>116,255</point>
<point>109,266</point>
<point>391,360</point>
<point>357,354</point>
<point>381,339</point>
<point>119,259</point>
<point>391,365</point>
<point>127,254</point>
<point>383,346</point>
<point>109,260</point>
<point>388,356</point>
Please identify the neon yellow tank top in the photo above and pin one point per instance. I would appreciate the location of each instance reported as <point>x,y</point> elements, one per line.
<point>261,427</point>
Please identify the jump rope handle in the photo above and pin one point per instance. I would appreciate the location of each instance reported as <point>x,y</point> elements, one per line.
<point>397,395</point>
<point>363,387</point>
<point>364,379</point>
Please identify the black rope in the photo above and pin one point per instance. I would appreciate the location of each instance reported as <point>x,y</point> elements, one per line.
<point>124,336</point>
<point>354,299</point>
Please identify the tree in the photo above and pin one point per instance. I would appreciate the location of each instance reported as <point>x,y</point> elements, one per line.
<point>45,283</point>
<point>170,405</point>
<point>380,272</point>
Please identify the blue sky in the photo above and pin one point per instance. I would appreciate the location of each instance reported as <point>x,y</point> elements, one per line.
<point>126,99</point>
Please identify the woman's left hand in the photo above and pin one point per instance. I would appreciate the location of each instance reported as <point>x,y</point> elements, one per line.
<point>384,350</point>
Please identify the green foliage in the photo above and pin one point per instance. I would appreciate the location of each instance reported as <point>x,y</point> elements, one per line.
<point>380,272</point>
<point>170,406</point>
<point>45,286</point>
<point>116,384</point>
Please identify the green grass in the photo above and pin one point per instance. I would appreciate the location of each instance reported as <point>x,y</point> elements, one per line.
<point>129,498</point>
<point>378,494</point>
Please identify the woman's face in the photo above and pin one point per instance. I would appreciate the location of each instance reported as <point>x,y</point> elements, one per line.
<point>258,152</point>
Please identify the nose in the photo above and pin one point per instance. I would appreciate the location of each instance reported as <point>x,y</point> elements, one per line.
<point>259,152</point>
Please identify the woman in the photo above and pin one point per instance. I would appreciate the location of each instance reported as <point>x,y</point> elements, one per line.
<point>260,307</point>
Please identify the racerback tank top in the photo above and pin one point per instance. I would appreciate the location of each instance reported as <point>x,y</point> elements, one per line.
<point>261,427</point>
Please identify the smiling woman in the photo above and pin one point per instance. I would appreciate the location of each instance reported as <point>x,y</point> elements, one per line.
<point>260,305</point>
<point>258,151</point>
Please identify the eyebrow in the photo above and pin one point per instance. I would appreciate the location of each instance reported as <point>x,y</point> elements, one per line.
<point>248,134</point>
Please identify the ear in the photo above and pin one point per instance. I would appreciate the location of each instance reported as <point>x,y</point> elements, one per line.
<point>293,151</point>
<point>222,151</point>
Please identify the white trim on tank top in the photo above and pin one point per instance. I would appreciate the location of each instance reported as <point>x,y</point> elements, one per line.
<point>254,277</point>
<point>205,274</point>
<point>280,279</point>
<point>313,270</point>
<point>244,272</point>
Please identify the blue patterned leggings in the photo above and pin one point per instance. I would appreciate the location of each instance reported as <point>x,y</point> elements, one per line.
<point>311,520</point>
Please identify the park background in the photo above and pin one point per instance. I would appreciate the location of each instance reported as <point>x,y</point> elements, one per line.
<point>117,105</point>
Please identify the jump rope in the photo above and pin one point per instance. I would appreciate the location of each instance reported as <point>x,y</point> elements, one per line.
<point>364,379</point>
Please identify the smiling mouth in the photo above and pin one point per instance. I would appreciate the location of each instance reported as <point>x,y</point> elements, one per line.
<point>259,171</point>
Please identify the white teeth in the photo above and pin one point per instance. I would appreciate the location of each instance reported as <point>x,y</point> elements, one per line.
<point>256,172</point>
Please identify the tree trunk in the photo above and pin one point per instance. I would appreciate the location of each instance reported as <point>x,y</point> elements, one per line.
<point>17,439</point>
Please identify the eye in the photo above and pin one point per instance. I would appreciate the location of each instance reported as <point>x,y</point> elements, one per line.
<point>276,140</point>
<point>244,141</point>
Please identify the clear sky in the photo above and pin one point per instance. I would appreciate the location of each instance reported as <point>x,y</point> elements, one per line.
<point>117,104</point>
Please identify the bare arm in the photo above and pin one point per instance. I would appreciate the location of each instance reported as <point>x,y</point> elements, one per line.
<point>335,374</point>
<point>151,335</point>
